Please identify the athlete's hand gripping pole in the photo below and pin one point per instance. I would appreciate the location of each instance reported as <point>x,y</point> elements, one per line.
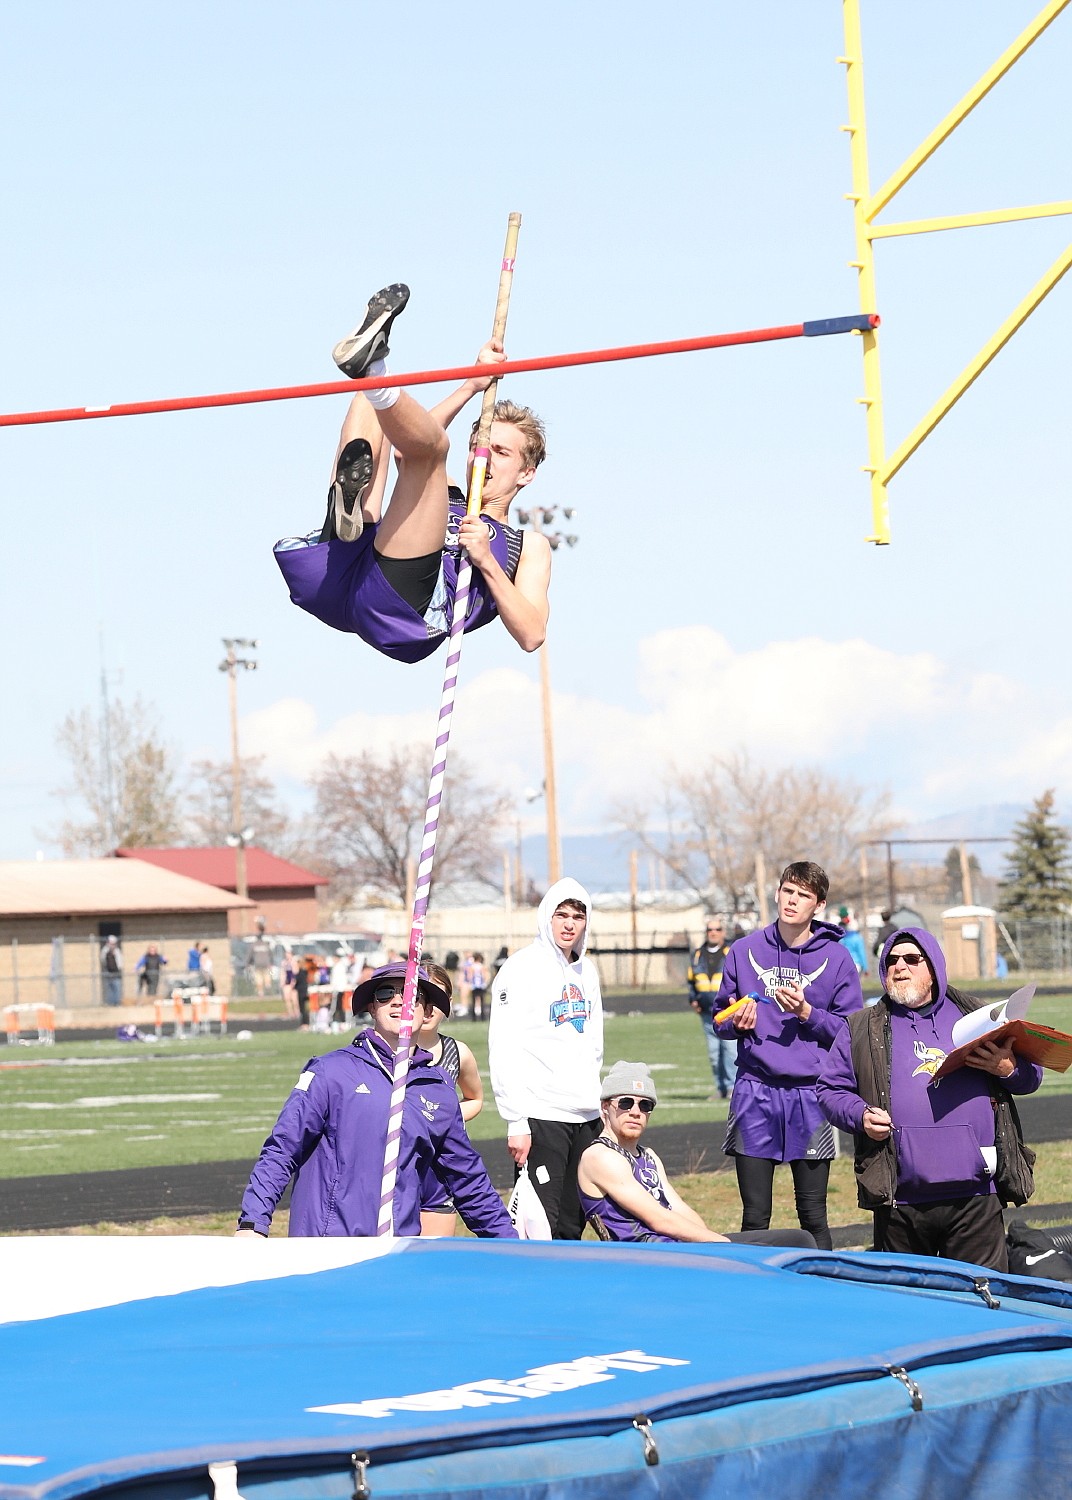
<point>385,1221</point>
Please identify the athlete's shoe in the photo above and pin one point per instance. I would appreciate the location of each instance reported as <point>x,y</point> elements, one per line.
<point>357,350</point>
<point>353,475</point>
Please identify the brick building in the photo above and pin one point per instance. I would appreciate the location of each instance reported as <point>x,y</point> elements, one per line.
<point>284,894</point>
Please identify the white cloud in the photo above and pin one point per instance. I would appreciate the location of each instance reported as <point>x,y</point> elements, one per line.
<point>908,722</point>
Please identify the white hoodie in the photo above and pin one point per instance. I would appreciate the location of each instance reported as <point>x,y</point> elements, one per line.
<point>545,1041</point>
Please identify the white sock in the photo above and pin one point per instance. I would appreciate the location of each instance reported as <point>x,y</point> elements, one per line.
<point>381,399</point>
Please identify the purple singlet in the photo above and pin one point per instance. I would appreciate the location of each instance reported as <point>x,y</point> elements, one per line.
<point>342,585</point>
<point>612,1222</point>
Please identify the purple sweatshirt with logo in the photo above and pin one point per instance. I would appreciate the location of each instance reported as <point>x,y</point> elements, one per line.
<point>941,1127</point>
<point>782,1050</point>
<point>332,1131</point>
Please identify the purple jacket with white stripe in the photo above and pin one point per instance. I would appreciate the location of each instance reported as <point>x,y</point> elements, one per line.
<point>332,1131</point>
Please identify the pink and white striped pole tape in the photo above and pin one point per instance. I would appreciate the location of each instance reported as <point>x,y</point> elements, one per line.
<point>385,1221</point>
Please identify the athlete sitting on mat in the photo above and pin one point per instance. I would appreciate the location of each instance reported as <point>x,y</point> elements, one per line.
<point>623,1186</point>
<point>392,580</point>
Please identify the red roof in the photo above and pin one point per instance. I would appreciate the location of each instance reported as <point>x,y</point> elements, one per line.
<point>216,867</point>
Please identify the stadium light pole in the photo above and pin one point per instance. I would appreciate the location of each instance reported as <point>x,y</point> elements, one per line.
<point>239,836</point>
<point>537,519</point>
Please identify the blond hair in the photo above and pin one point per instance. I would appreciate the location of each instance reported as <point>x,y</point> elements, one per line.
<point>534,448</point>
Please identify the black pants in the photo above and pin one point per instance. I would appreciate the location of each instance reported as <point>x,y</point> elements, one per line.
<point>755,1181</point>
<point>796,1239</point>
<point>556,1149</point>
<point>970,1229</point>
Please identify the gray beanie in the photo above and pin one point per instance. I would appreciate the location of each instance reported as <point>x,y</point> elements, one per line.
<point>629,1078</point>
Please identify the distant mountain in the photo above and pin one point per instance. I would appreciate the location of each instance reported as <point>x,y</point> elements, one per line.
<point>600,861</point>
<point>993,820</point>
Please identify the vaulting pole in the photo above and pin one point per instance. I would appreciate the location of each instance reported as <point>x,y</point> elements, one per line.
<point>481,453</point>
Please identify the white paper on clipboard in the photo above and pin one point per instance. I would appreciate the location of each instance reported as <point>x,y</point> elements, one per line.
<point>988,1018</point>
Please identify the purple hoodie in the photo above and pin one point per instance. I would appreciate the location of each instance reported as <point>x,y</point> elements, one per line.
<point>332,1131</point>
<point>940,1128</point>
<point>783,1050</point>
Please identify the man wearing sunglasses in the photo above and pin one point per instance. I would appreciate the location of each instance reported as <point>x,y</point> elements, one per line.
<point>704,980</point>
<point>331,1132</point>
<point>623,1186</point>
<point>935,1157</point>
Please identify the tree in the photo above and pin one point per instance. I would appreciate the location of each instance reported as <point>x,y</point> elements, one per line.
<point>209,819</point>
<point>370,812</point>
<point>124,775</point>
<point>721,827</point>
<point>1038,875</point>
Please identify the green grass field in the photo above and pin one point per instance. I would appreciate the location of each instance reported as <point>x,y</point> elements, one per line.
<point>106,1105</point>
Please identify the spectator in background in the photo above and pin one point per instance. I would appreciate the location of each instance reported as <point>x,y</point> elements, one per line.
<point>193,959</point>
<point>463,1007</point>
<point>341,985</point>
<point>704,978</point>
<point>260,957</point>
<point>478,989</point>
<point>885,932</point>
<point>148,969</point>
<point>289,976</point>
<point>208,970</point>
<point>304,974</point>
<point>111,962</point>
<point>500,958</point>
<point>852,939</point>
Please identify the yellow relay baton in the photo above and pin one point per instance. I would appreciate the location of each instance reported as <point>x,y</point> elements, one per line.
<point>732,1009</point>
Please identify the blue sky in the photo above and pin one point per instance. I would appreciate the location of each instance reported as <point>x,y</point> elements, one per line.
<point>201,198</point>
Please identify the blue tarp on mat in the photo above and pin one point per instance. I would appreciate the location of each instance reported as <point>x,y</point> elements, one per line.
<point>481,1369</point>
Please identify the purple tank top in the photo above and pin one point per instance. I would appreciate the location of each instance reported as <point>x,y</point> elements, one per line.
<point>340,583</point>
<point>612,1222</point>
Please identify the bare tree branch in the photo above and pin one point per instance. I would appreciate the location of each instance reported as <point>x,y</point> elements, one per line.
<point>126,780</point>
<point>370,820</point>
<point>709,824</point>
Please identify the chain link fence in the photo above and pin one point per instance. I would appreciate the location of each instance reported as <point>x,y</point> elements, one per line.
<point>1037,944</point>
<point>69,973</point>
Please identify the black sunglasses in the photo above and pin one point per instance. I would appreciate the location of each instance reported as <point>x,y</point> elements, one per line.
<point>387,991</point>
<point>911,959</point>
<point>626,1102</point>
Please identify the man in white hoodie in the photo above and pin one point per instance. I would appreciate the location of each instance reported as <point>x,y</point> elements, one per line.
<point>545,1050</point>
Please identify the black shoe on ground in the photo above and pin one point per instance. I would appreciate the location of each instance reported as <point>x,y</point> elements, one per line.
<point>353,475</point>
<point>357,350</point>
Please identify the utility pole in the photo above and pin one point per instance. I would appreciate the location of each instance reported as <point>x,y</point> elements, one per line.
<point>633,915</point>
<point>107,769</point>
<point>967,895</point>
<point>537,519</point>
<point>761,888</point>
<point>554,848</point>
<point>239,836</point>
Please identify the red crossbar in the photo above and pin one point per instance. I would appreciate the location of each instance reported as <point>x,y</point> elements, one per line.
<point>421,377</point>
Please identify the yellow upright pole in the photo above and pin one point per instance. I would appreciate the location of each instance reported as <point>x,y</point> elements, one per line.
<point>865,208</point>
<point>864,265</point>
